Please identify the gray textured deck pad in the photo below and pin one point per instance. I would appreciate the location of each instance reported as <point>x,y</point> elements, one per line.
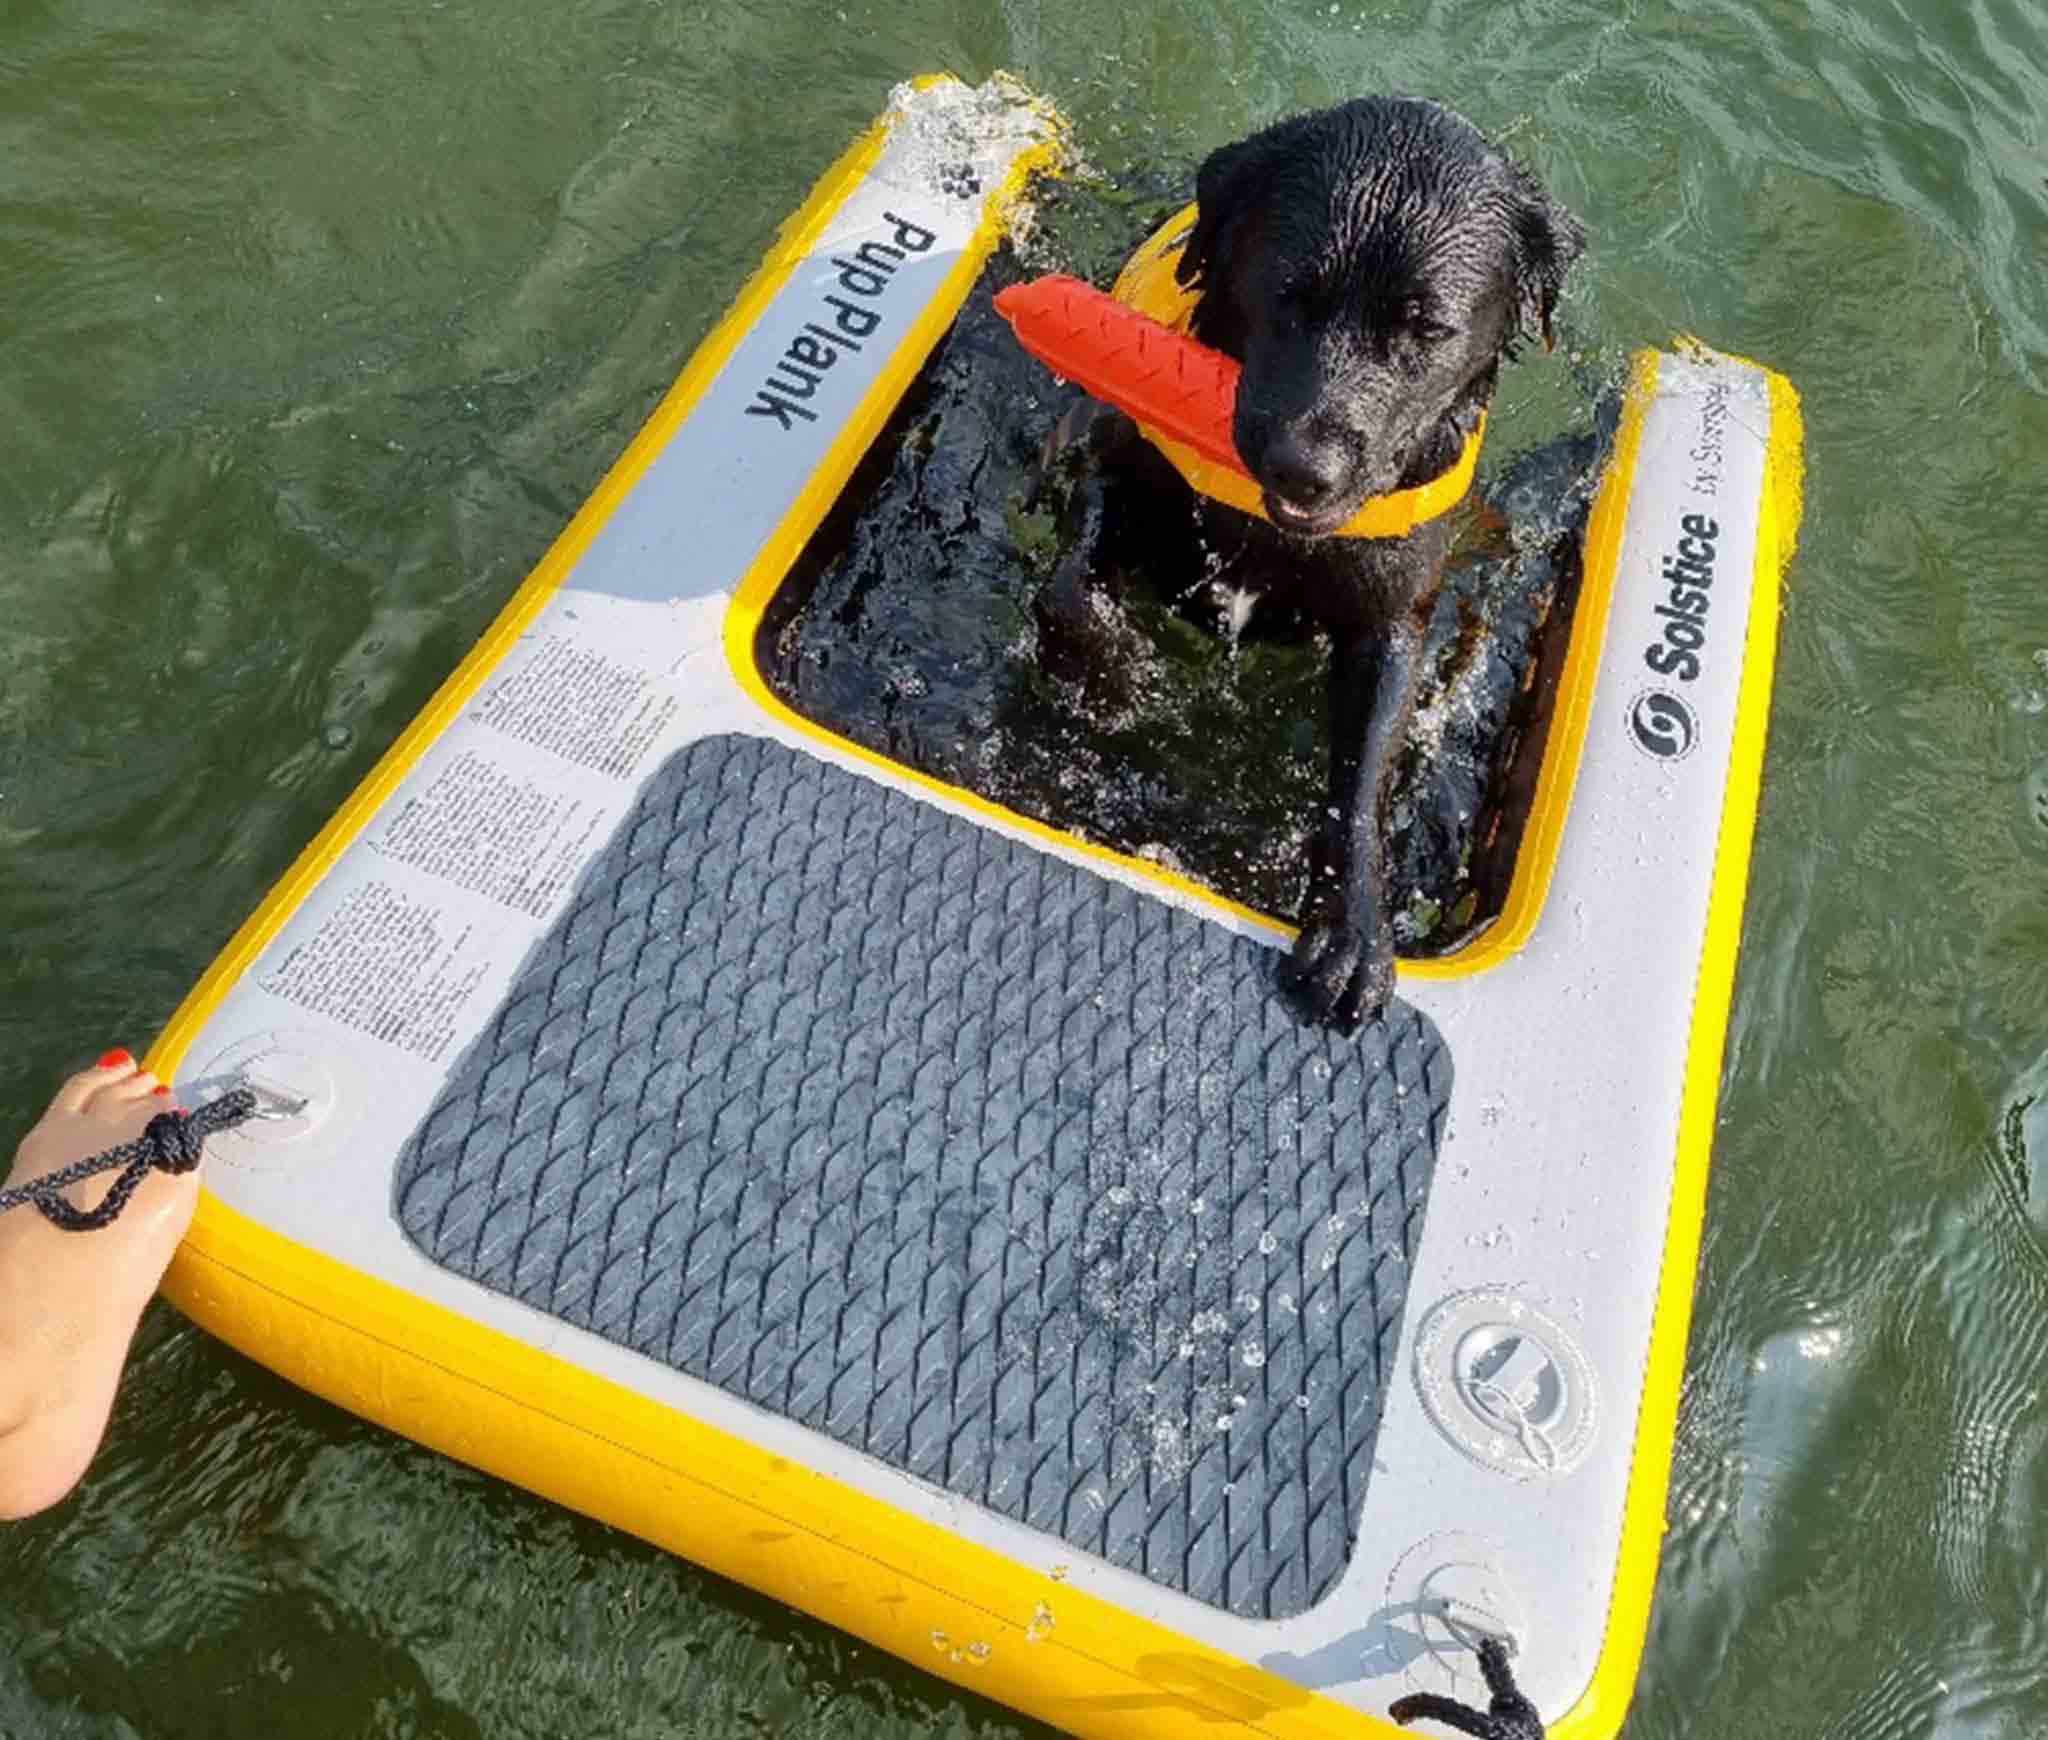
<point>987,1166</point>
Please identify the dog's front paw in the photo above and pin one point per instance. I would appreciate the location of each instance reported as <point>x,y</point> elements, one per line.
<point>1340,973</point>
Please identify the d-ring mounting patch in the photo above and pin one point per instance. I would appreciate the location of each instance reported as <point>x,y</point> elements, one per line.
<point>1506,1383</point>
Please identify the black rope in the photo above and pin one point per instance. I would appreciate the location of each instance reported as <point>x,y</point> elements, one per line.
<point>171,1142</point>
<point>1510,1716</point>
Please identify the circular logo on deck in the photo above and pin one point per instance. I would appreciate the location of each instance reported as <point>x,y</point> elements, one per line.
<point>1663,726</point>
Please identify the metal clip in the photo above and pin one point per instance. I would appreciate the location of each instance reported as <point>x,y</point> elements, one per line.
<point>1471,1624</point>
<point>274,1104</point>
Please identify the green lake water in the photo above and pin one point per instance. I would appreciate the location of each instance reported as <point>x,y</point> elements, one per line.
<point>318,322</point>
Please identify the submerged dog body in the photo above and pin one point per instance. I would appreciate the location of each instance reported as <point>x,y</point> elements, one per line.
<point>1369,266</point>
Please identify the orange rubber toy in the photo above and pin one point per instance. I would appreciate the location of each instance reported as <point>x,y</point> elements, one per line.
<point>1163,378</point>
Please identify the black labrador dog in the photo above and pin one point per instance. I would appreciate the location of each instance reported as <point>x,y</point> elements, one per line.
<point>1370,266</point>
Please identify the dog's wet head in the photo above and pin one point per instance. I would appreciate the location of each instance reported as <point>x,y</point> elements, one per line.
<point>1369,266</point>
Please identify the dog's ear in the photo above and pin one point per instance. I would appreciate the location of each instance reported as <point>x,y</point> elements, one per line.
<point>1225,184</point>
<point>1546,240</point>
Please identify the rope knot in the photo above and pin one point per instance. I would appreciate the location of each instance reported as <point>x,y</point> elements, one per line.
<point>174,1145</point>
<point>170,1142</point>
<point>1508,1716</point>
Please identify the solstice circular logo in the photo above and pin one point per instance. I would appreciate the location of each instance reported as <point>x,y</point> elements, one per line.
<point>1663,726</point>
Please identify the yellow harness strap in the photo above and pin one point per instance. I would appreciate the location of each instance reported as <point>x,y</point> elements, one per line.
<point>1147,283</point>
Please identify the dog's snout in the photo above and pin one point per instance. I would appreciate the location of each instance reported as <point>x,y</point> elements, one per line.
<point>1300,469</point>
